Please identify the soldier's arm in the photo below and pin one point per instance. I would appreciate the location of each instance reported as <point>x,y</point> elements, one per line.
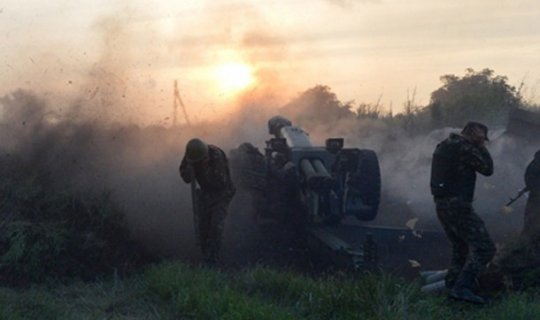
<point>186,171</point>
<point>478,158</point>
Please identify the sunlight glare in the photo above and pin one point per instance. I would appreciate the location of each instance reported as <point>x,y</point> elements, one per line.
<point>233,77</point>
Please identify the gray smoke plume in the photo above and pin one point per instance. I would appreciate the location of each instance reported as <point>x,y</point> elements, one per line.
<point>97,138</point>
<point>405,163</point>
<point>139,164</point>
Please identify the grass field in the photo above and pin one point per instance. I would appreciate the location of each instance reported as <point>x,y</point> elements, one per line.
<point>173,290</point>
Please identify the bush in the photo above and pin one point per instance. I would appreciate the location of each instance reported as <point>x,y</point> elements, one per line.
<point>47,233</point>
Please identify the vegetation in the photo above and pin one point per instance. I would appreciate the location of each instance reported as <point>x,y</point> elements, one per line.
<point>316,104</point>
<point>177,291</point>
<point>478,95</point>
<point>52,234</point>
<point>47,233</point>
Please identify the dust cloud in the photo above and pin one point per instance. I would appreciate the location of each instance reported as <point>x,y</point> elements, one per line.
<point>103,120</point>
<point>139,164</point>
<point>104,135</point>
<point>405,163</point>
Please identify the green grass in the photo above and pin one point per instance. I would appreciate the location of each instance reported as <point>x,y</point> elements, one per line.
<point>111,299</point>
<point>173,290</point>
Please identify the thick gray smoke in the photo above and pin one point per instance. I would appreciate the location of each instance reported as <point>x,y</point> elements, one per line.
<point>140,166</point>
<point>406,164</point>
<point>108,126</point>
<point>406,173</point>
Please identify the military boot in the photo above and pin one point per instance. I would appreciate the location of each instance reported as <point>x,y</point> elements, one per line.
<point>462,290</point>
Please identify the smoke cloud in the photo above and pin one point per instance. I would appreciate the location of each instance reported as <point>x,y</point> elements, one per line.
<point>139,164</point>
<point>99,137</point>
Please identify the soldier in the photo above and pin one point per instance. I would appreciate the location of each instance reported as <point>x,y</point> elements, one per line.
<point>208,165</point>
<point>453,177</point>
<point>515,260</point>
<point>531,226</point>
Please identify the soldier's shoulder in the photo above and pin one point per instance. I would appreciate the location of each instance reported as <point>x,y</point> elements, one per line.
<point>460,142</point>
<point>453,141</point>
<point>214,148</point>
<point>456,138</point>
<point>216,153</point>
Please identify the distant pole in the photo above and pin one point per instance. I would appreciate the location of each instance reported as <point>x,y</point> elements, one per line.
<point>175,106</point>
<point>178,100</point>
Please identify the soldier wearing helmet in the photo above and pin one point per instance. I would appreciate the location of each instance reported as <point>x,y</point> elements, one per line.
<point>456,161</point>
<point>208,166</point>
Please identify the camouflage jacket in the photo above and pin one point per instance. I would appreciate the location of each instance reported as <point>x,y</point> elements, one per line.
<point>213,175</point>
<point>532,177</point>
<point>454,166</point>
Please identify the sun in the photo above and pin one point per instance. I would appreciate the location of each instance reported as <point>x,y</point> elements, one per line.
<point>233,77</point>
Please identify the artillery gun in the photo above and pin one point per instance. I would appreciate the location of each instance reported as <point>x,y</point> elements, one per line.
<point>312,188</point>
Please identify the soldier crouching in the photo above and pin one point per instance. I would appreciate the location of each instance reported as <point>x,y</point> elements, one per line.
<point>208,166</point>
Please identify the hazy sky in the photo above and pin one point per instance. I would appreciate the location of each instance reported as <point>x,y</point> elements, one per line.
<point>130,52</point>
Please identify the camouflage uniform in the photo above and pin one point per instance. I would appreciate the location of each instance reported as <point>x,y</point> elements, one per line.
<point>453,177</point>
<point>517,263</point>
<point>531,226</point>
<point>217,191</point>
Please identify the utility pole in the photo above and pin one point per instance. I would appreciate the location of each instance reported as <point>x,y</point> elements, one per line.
<point>178,100</point>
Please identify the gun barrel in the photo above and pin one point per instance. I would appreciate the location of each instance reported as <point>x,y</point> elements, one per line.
<point>316,174</point>
<point>320,168</point>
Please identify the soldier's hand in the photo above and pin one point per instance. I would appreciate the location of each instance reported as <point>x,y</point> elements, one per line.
<point>478,137</point>
<point>187,173</point>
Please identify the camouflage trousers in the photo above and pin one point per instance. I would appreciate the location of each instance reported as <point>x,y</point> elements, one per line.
<point>210,224</point>
<point>472,247</point>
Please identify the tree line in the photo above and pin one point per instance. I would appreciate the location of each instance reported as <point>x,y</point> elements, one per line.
<point>478,95</point>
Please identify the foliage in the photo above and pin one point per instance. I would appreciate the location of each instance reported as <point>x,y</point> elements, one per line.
<point>206,294</point>
<point>480,96</point>
<point>286,295</point>
<point>112,298</point>
<point>476,96</point>
<point>174,290</point>
<point>317,105</point>
<point>50,228</point>
<point>370,111</point>
<point>49,233</point>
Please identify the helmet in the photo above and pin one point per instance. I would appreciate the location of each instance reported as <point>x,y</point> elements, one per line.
<point>276,123</point>
<point>196,150</point>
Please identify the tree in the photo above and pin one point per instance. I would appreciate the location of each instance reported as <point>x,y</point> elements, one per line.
<point>479,96</point>
<point>318,105</point>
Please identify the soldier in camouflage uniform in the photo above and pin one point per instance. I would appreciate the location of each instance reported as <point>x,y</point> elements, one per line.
<point>453,177</point>
<point>208,165</point>
<point>517,264</point>
<point>531,226</point>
